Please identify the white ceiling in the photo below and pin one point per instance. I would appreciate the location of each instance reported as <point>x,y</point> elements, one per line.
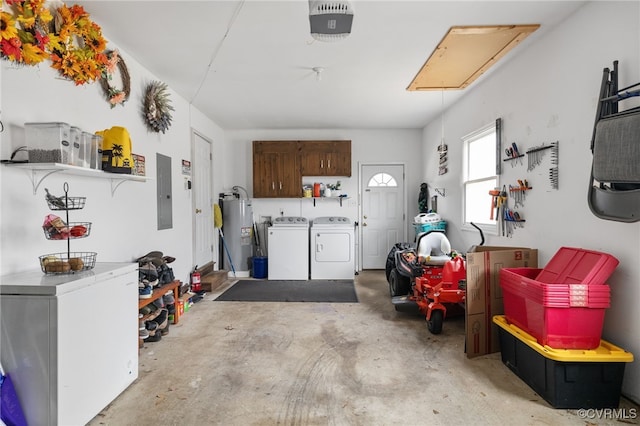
<point>248,64</point>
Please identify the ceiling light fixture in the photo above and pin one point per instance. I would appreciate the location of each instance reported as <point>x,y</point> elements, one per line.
<point>318,71</point>
<point>330,20</point>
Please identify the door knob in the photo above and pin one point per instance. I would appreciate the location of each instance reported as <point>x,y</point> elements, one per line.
<point>364,216</point>
<point>198,211</point>
<point>364,224</point>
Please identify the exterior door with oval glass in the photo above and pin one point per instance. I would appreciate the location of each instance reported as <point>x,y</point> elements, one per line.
<point>383,212</point>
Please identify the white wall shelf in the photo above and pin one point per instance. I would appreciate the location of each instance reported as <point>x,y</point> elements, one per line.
<point>38,172</point>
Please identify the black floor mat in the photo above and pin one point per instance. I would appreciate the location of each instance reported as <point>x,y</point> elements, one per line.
<point>332,291</point>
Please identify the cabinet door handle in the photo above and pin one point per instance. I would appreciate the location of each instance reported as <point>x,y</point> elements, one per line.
<point>273,186</point>
<point>280,186</point>
<point>328,164</point>
<point>322,164</point>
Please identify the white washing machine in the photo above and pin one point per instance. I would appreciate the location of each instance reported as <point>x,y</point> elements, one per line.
<point>288,249</point>
<point>332,248</point>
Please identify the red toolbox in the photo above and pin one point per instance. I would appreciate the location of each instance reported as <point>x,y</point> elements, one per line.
<point>568,312</point>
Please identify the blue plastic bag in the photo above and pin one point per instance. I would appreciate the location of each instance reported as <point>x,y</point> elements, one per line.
<point>10,409</point>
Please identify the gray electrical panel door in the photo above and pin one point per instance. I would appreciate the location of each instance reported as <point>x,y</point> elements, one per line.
<point>165,209</point>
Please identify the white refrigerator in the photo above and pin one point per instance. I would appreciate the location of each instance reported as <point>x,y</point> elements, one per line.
<point>70,342</point>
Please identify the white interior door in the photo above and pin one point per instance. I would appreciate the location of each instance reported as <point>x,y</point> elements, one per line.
<point>203,252</point>
<point>383,212</point>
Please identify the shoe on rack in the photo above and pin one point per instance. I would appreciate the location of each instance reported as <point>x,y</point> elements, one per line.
<point>150,256</point>
<point>145,292</point>
<point>153,315</point>
<point>171,308</point>
<point>145,310</point>
<point>154,337</point>
<point>143,334</point>
<point>151,326</point>
<point>168,298</point>
<point>162,319</point>
<point>165,330</point>
<point>159,303</point>
<point>148,270</point>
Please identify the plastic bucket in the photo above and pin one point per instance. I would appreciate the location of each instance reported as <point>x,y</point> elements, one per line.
<point>259,267</point>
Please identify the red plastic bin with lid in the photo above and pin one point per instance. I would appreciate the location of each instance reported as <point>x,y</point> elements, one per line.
<point>567,313</point>
<point>574,265</point>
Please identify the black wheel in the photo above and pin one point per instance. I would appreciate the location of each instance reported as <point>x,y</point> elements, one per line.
<point>398,284</point>
<point>435,323</point>
<point>391,258</point>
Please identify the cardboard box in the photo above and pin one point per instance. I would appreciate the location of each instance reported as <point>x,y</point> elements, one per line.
<point>484,294</point>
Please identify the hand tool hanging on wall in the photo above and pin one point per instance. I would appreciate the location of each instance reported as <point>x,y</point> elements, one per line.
<point>536,154</point>
<point>503,204</point>
<point>494,201</point>
<point>553,171</point>
<point>519,193</point>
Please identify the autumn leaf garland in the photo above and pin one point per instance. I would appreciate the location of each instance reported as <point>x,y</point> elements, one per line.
<point>31,33</point>
<point>24,32</point>
<point>78,51</point>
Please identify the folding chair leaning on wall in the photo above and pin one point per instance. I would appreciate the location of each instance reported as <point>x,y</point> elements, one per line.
<point>614,187</point>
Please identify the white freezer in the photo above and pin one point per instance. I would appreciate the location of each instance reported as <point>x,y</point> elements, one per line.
<point>70,342</point>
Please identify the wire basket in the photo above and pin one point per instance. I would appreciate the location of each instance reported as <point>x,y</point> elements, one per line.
<point>68,203</point>
<point>67,263</point>
<point>70,231</point>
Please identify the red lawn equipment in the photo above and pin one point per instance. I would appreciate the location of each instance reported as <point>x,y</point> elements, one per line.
<point>432,277</point>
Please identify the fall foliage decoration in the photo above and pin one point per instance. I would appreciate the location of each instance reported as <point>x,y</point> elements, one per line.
<point>157,106</point>
<point>114,95</point>
<point>24,32</point>
<point>77,51</point>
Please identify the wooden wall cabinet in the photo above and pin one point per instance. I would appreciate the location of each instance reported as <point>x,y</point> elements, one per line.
<point>276,169</point>
<point>325,158</point>
<point>278,166</point>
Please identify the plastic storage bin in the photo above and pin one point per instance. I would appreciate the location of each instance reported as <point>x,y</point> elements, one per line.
<point>95,160</point>
<point>565,378</point>
<point>574,265</point>
<point>84,155</point>
<point>49,142</point>
<point>564,316</point>
<point>76,141</point>
<point>431,226</point>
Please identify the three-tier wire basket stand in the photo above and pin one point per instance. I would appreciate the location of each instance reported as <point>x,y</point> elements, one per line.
<point>68,262</point>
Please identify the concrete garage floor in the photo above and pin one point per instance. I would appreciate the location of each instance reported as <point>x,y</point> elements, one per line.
<point>250,363</point>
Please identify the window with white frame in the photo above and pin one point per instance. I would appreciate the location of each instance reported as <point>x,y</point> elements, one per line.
<point>479,177</point>
<point>382,179</point>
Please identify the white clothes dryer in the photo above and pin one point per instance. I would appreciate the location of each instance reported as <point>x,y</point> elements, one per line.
<point>288,249</point>
<point>332,248</point>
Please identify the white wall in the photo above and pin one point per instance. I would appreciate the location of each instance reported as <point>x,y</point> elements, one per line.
<point>124,225</point>
<point>548,93</point>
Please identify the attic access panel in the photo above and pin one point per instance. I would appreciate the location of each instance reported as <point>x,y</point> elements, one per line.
<point>465,53</point>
